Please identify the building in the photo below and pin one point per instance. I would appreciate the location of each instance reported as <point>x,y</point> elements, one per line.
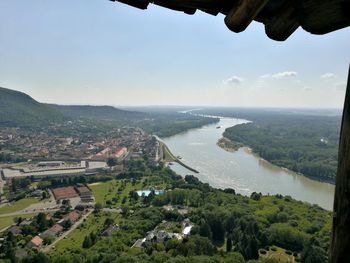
<point>15,230</point>
<point>53,169</point>
<point>104,153</point>
<point>156,236</point>
<point>53,232</point>
<point>37,193</point>
<point>38,174</point>
<point>51,164</point>
<point>121,153</point>
<point>85,194</point>
<point>109,230</point>
<point>35,242</point>
<point>64,193</point>
<point>72,216</point>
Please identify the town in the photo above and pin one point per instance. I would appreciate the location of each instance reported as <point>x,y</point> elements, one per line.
<point>47,183</point>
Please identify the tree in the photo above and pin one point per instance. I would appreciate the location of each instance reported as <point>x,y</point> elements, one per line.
<point>256,196</point>
<point>228,244</point>
<point>98,208</point>
<point>204,229</point>
<point>109,221</point>
<point>66,224</point>
<point>47,240</point>
<point>39,257</point>
<point>44,195</point>
<point>87,243</point>
<point>111,162</point>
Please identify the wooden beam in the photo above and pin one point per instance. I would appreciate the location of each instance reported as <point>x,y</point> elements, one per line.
<point>212,5</point>
<point>323,16</point>
<point>243,13</point>
<point>186,10</point>
<point>283,23</point>
<point>340,248</point>
<point>141,4</point>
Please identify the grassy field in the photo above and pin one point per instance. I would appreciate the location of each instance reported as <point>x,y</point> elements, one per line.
<point>279,255</point>
<point>75,239</point>
<point>9,220</point>
<point>106,191</point>
<point>19,205</point>
<point>168,156</point>
<point>103,192</point>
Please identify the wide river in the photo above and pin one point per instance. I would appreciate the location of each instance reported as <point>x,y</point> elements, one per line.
<point>241,170</point>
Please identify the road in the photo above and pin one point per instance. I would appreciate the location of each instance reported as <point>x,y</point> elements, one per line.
<point>47,248</point>
<point>46,206</point>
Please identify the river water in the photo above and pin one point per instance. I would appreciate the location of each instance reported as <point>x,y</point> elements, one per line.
<point>241,170</point>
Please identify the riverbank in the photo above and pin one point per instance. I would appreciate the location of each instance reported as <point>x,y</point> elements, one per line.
<point>242,170</point>
<point>249,150</point>
<point>169,157</point>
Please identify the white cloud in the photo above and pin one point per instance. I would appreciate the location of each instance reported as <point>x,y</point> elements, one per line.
<point>285,74</point>
<point>328,76</point>
<point>233,80</point>
<point>280,75</point>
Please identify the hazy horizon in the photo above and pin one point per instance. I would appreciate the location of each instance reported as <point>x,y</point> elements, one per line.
<point>105,53</point>
<point>181,107</point>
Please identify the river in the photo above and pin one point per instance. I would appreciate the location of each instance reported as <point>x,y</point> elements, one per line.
<point>241,170</point>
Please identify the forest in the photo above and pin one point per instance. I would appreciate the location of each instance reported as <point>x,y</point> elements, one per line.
<point>227,227</point>
<point>304,141</point>
<point>19,110</point>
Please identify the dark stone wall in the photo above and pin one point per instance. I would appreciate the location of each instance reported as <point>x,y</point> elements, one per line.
<point>340,249</point>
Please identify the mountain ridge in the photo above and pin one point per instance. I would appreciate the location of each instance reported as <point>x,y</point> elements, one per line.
<point>18,109</point>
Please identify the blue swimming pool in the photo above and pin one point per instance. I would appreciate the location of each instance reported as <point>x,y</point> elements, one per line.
<point>147,192</point>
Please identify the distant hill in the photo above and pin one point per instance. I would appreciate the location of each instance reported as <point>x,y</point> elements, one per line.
<point>97,112</point>
<point>17,109</point>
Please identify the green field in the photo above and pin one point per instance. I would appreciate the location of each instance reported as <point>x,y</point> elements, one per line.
<point>19,205</point>
<point>168,156</point>
<point>9,220</point>
<point>74,240</point>
<point>106,191</point>
<point>279,255</point>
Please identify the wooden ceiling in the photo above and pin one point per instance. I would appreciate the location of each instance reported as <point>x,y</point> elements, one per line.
<point>280,17</point>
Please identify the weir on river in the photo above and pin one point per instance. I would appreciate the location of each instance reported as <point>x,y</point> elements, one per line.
<point>241,170</point>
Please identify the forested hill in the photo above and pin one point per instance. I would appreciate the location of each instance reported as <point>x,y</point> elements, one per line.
<point>302,143</point>
<point>98,112</point>
<point>19,109</point>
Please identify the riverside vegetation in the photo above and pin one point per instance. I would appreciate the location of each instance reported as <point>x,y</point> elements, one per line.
<point>305,142</point>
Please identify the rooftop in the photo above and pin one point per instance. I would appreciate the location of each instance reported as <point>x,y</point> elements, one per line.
<point>36,241</point>
<point>64,192</point>
<point>280,17</point>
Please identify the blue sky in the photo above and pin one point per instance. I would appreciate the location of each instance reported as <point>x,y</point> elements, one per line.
<point>100,52</point>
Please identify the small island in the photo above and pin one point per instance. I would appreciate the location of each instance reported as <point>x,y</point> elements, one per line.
<point>228,145</point>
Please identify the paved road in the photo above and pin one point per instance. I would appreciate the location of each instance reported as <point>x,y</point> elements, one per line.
<point>47,248</point>
<point>19,213</point>
<point>46,206</point>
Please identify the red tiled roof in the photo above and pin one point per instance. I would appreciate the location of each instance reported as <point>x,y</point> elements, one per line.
<point>83,189</point>
<point>36,241</point>
<point>72,216</point>
<point>56,228</point>
<point>64,192</point>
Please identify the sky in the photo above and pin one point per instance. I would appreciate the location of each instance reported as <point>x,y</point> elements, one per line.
<point>106,53</point>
